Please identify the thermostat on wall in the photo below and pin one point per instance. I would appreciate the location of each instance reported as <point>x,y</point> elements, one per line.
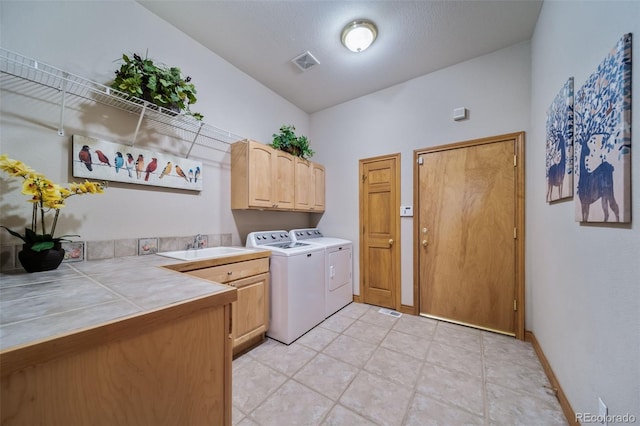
<point>459,114</point>
<point>406,210</point>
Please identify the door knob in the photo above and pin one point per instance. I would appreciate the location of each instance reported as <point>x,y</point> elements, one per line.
<point>390,241</point>
<point>424,243</point>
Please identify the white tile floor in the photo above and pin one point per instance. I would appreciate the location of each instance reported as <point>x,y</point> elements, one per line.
<point>361,367</point>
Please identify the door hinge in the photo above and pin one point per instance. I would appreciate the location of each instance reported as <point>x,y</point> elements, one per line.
<point>515,233</point>
<point>515,305</point>
<point>515,161</point>
<point>364,177</point>
<point>420,161</point>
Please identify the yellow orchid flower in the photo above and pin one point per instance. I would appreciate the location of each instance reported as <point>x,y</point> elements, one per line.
<point>65,193</point>
<point>14,167</point>
<point>31,187</point>
<point>45,195</point>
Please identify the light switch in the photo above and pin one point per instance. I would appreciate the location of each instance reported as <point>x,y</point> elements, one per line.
<point>459,114</point>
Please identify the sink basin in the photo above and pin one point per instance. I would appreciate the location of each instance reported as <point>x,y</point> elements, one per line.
<point>205,253</point>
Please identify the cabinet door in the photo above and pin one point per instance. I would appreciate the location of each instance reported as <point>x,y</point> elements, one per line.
<point>318,187</point>
<point>250,312</point>
<point>284,169</point>
<point>260,171</point>
<point>303,193</point>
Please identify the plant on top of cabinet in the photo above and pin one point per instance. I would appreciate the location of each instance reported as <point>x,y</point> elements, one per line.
<point>158,84</point>
<point>287,141</point>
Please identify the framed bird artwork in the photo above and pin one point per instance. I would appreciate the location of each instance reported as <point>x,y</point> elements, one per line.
<point>103,160</point>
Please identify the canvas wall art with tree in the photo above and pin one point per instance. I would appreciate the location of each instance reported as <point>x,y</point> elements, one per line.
<point>560,144</point>
<point>602,148</point>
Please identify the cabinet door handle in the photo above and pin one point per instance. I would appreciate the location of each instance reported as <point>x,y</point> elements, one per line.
<point>230,272</point>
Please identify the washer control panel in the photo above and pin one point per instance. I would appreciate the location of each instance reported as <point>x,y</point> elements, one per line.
<point>262,238</point>
<point>305,234</point>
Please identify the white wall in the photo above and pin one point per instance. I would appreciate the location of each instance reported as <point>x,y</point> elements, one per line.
<point>414,115</point>
<point>87,38</point>
<point>583,282</point>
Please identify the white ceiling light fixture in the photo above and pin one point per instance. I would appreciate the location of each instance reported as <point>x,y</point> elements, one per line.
<point>358,35</point>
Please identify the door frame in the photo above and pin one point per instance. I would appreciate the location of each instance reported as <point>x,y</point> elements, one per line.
<point>519,164</point>
<point>397,254</point>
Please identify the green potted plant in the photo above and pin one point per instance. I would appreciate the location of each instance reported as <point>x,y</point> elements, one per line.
<point>287,141</point>
<point>158,84</point>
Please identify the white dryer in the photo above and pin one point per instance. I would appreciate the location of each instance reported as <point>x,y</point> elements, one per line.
<point>297,284</point>
<point>338,267</point>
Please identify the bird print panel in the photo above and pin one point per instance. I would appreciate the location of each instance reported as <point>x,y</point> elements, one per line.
<point>102,160</point>
<point>602,145</point>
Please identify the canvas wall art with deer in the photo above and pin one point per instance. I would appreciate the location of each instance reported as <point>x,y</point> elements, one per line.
<point>602,145</point>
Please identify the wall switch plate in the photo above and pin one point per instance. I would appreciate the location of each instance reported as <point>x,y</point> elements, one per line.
<point>459,114</point>
<point>406,210</point>
<point>602,411</point>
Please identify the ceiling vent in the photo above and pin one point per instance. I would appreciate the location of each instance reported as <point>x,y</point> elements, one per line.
<point>305,61</point>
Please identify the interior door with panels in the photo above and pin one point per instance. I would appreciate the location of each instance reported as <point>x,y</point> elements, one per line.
<point>380,231</point>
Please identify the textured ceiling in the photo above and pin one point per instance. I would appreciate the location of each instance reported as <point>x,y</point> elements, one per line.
<point>414,38</point>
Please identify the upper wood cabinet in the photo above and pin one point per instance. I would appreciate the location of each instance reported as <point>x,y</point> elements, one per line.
<point>260,176</point>
<point>318,187</point>
<point>284,172</point>
<point>270,179</point>
<point>304,176</point>
<point>309,186</point>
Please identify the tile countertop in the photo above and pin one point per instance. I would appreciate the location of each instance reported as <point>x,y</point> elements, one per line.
<point>78,295</point>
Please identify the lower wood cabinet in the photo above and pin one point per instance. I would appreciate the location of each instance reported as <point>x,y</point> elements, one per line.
<point>170,366</point>
<point>250,313</point>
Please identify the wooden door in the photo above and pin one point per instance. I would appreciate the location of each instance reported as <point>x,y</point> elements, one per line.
<point>469,217</point>
<point>380,231</point>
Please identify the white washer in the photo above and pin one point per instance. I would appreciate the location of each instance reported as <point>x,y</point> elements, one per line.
<point>297,284</point>
<point>338,267</point>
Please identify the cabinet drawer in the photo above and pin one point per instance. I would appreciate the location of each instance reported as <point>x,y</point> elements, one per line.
<point>233,271</point>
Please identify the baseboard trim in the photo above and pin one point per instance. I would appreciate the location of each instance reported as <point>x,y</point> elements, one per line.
<point>409,310</point>
<point>560,395</point>
<point>357,299</point>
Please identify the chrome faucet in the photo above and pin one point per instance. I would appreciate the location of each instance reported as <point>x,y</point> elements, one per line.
<point>197,242</point>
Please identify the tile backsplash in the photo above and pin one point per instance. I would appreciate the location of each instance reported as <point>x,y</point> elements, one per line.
<point>108,249</point>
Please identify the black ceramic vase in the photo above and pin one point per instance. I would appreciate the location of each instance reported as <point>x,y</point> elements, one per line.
<point>38,261</point>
